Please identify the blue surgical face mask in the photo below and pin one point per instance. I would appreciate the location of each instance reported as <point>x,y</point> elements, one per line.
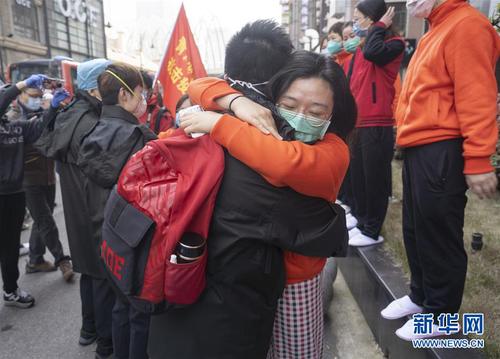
<point>334,47</point>
<point>358,31</point>
<point>34,103</point>
<point>308,129</point>
<point>352,44</point>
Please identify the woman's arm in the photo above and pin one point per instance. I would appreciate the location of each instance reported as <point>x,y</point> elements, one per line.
<point>316,170</point>
<point>214,94</point>
<point>206,91</point>
<point>380,51</point>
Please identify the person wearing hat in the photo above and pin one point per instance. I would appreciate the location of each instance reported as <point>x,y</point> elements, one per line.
<point>39,185</point>
<point>372,73</point>
<point>62,143</point>
<point>14,136</point>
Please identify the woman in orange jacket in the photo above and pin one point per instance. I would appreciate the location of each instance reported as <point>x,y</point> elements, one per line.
<point>304,95</point>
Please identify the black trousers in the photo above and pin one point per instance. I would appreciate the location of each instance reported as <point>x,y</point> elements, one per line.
<point>370,173</point>
<point>98,300</point>
<point>433,218</point>
<point>345,192</point>
<point>11,221</point>
<point>44,233</point>
<point>130,332</point>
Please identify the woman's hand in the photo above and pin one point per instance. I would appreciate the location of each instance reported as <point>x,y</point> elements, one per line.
<point>256,115</point>
<point>388,16</point>
<point>199,121</point>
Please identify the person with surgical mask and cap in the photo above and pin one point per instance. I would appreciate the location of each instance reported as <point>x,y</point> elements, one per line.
<point>16,133</point>
<point>446,126</point>
<point>104,151</point>
<point>40,188</point>
<point>62,142</point>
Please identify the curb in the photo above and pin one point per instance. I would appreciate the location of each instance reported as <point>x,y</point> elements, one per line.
<point>375,281</point>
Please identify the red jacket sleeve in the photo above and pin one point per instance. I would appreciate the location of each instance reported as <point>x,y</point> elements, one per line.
<point>313,170</point>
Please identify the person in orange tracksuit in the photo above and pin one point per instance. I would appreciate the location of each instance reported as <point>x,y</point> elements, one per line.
<point>311,170</point>
<point>446,119</point>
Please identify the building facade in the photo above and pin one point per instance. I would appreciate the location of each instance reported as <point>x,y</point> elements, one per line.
<point>48,28</point>
<point>301,15</point>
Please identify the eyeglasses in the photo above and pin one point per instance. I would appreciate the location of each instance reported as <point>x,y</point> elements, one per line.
<point>313,121</point>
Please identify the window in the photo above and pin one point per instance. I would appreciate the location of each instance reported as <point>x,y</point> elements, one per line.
<point>82,40</point>
<point>399,20</point>
<point>25,18</point>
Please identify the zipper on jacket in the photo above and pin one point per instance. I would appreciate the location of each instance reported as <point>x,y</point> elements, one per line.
<point>374,92</point>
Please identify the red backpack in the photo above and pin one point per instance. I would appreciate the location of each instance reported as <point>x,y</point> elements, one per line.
<point>164,191</point>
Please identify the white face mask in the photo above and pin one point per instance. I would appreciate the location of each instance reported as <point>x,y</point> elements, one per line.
<point>140,109</point>
<point>34,103</point>
<point>420,8</point>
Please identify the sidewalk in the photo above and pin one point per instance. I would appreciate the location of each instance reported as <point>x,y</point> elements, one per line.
<point>51,328</point>
<point>347,335</point>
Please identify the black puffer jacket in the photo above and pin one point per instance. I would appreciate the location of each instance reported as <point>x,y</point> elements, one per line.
<point>252,222</point>
<point>62,142</point>
<point>103,153</point>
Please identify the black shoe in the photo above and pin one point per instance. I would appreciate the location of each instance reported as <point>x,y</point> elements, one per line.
<point>19,299</point>
<point>104,349</point>
<point>86,338</point>
<point>103,356</point>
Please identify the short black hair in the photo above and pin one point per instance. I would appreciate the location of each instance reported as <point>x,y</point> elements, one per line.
<point>147,79</point>
<point>347,24</point>
<point>337,28</point>
<point>257,52</point>
<point>305,64</point>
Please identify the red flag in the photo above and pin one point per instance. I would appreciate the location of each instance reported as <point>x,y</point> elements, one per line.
<point>181,63</point>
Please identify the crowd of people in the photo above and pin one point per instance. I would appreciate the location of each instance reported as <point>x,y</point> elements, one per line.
<point>301,130</point>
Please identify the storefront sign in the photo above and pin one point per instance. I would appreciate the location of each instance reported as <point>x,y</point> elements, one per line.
<point>78,10</point>
<point>25,3</point>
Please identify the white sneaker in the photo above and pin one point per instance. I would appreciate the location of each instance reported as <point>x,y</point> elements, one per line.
<point>346,208</point>
<point>354,232</point>
<point>400,308</point>
<point>339,202</point>
<point>23,250</point>
<point>361,240</point>
<point>350,221</point>
<point>406,332</point>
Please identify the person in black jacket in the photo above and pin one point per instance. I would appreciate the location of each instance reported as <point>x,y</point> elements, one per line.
<point>62,142</point>
<point>40,190</point>
<point>13,136</point>
<point>253,222</point>
<point>103,153</point>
